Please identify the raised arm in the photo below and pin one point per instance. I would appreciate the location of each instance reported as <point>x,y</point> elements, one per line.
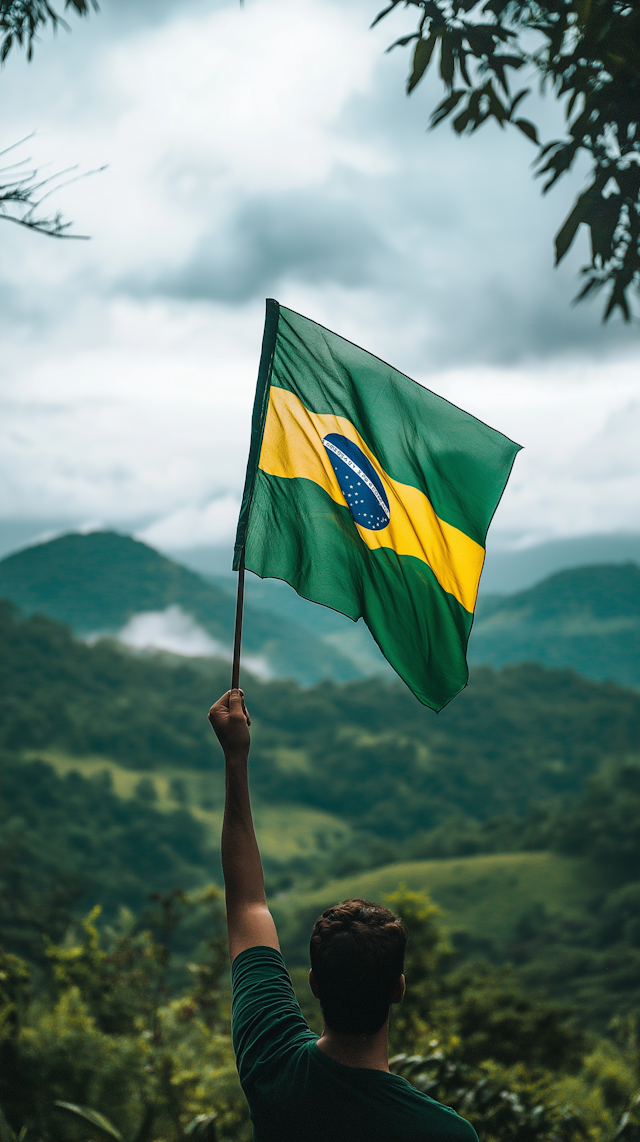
<point>249,920</point>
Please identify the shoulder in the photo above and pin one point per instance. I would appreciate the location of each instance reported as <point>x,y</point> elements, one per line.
<point>260,973</point>
<point>254,961</point>
<point>266,1017</point>
<point>443,1122</point>
<point>450,1124</point>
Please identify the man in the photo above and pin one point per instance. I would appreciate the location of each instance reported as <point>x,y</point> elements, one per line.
<point>337,1088</point>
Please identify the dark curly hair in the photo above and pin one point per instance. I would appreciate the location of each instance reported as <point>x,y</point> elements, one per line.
<point>357,956</point>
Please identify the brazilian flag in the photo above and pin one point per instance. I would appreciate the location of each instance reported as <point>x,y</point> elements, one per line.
<point>371,495</point>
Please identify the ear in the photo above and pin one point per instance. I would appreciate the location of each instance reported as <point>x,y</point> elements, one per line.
<point>398,992</point>
<point>313,985</point>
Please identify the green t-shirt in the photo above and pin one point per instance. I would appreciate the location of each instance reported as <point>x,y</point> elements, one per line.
<point>296,1093</point>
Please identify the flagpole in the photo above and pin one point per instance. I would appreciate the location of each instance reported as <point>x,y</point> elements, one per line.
<point>235,669</point>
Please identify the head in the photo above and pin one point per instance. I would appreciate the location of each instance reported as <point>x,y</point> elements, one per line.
<point>357,962</point>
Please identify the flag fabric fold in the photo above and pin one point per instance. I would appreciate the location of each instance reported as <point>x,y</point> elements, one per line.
<point>371,495</point>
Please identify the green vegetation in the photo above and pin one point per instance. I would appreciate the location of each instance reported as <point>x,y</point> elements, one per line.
<point>103,1027</point>
<point>587,619</point>
<point>367,752</point>
<point>516,809</point>
<point>96,583</point>
<point>585,56</point>
<point>69,842</point>
<point>290,835</point>
<point>483,897</point>
<point>108,1041</point>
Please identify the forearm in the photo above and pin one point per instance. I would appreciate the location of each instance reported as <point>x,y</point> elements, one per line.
<point>241,863</point>
<point>249,921</point>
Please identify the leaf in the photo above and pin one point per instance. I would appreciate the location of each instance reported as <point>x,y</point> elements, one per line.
<point>559,163</point>
<point>447,62</point>
<point>549,147</point>
<point>200,1122</point>
<point>603,218</point>
<point>518,98</point>
<point>403,41</point>
<point>617,300</point>
<point>470,115</point>
<point>496,106</point>
<point>94,1117</point>
<point>527,129</point>
<point>443,109</point>
<point>421,60</point>
<point>592,286</point>
<point>385,12</point>
<point>6,1133</point>
<point>462,64</point>
<point>579,214</point>
<point>202,1128</point>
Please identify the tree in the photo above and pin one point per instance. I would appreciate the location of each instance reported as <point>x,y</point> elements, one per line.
<point>22,189</point>
<point>588,53</point>
<point>21,20</point>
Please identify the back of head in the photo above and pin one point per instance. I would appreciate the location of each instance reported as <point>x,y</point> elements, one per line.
<point>357,956</point>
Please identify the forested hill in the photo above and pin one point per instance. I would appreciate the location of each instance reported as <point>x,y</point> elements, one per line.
<point>587,618</point>
<point>365,750</point>
<point>98,582</point>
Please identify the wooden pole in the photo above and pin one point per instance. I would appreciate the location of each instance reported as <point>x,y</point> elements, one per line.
<point>235,669</point>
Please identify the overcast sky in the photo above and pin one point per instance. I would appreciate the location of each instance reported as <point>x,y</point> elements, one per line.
<point>270,151</point>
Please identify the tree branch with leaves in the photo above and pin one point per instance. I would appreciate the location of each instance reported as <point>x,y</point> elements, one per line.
<point>21,20</point>
<point>22,189</point>
<point>588,53</point>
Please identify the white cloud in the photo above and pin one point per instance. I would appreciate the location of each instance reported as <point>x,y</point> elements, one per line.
<point>176,631</point>
<point>170,630</point>
<point>211,524</point>
<point>579,471</point>
<point>271,150</point>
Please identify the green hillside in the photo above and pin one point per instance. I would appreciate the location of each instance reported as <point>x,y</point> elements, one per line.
<point>483,896</point>
<point>290,836</point>
<point>586,618</point>
<point>350,639</point>
<point>98,582</point>
<point>111,788</point>
<point>366,751</point>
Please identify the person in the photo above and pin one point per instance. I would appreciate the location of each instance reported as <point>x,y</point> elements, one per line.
<point>301,1088</point>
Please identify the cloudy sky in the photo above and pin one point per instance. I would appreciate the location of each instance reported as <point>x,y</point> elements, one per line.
<point>263,151</point>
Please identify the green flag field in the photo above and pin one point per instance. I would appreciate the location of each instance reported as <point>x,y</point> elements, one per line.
<point>371,495</point>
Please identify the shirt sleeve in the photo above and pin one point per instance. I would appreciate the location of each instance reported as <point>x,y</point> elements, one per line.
<point>266,1020</point>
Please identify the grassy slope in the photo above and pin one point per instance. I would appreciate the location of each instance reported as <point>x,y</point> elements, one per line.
<point>365,752</point>
<point>286,832</point>
<point>586,618</point>
<point>483,895</point>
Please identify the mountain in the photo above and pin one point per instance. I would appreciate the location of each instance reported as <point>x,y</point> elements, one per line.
<point>350,639</point>
<point>366,751</point>
<point>509,571</point>
<point>105,583</point>
<point>504,571</point>
<point>586,619</point>
<point>109,757</point>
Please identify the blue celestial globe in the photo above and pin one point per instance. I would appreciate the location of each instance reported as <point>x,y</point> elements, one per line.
<point>359,482</point>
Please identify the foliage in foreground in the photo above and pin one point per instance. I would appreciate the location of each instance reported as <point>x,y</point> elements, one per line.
<point>105,1030</point>
<point>587,53</point>
<point>108,1043</point>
